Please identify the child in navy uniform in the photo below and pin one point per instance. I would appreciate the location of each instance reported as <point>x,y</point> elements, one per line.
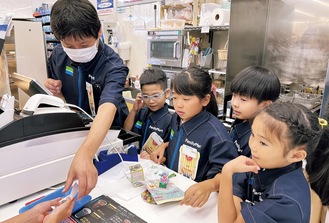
<point>271,186</point>
<point>154,117</point>
<point>199,144</point>
<point>253,89</point>
<point>317,165</point>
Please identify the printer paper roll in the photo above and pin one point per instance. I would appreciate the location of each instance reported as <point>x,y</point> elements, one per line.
<point>220,17</point>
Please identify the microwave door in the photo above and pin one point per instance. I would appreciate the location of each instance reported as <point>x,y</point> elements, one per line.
<point>165,53</point>
<point>162,49</point>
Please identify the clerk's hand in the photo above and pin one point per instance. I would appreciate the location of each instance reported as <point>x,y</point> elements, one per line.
<point>83,169</point>
<point>54,86</point>
<point>197,194</point>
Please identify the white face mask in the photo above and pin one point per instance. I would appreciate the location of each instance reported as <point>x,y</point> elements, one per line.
<point>82,55</point>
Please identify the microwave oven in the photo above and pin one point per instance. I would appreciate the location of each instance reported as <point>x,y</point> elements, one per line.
<point>165,47</point>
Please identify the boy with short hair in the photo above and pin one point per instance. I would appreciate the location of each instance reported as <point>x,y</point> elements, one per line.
<point>154,116</point>
<point>253,88</point>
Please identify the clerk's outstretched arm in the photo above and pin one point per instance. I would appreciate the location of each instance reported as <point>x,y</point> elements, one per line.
<point>82,167</point>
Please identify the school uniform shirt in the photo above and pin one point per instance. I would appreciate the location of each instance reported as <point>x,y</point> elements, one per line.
<point>240,134</point>
<point>147,122</point>
<point>106,73</point>
<point>199,148</point>
<point>274,195</point>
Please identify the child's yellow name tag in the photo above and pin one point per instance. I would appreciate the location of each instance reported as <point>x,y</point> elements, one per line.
<point>188,161</point>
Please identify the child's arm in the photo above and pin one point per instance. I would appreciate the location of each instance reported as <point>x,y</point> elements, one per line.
<point>198,194</point>
<point>138,104</point>
<point>228,205</point>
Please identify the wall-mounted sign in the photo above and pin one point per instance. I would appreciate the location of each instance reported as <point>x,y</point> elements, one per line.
<point>5,27</point>
<point>104,7</point>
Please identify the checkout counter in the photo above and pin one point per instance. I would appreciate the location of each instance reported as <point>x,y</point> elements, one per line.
<point>113,184</point>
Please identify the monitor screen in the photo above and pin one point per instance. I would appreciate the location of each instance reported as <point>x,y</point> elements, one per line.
<point>29,85</point>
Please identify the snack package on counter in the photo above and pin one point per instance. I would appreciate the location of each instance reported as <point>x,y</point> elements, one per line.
<point>155,194</point>
<point>137,175</point>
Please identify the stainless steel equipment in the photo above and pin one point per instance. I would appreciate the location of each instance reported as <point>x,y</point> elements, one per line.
<point>165,48</point>
<point>289,37</point>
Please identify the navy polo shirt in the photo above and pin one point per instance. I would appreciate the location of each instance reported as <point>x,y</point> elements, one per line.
<point>240,134</point>
<point>274,195</point>
<point>106,72</point>
<point>147,122</point>
<point>208,136</point>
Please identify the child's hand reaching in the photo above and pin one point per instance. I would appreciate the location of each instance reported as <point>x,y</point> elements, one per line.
<point>61,212</point>
<point>197,194</point>
<point>241,164</point>
<point>145,155</point>
<point>138,104</point>
<point>157,155</point>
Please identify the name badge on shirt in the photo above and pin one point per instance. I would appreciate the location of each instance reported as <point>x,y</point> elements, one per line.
<point>188,161</point>
<point>91,100</point>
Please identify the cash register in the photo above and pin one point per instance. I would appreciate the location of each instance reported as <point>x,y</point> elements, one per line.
<point>38,144</point>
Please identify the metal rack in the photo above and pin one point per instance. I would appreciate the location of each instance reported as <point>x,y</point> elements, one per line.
<point>211,28</point>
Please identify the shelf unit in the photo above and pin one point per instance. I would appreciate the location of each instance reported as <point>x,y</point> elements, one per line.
<point>50,39</point>
<point>195,10</point>
<point>216,71</point>
<point>211,28</point>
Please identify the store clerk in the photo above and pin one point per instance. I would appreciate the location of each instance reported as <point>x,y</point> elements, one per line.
<point>81,61</point>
